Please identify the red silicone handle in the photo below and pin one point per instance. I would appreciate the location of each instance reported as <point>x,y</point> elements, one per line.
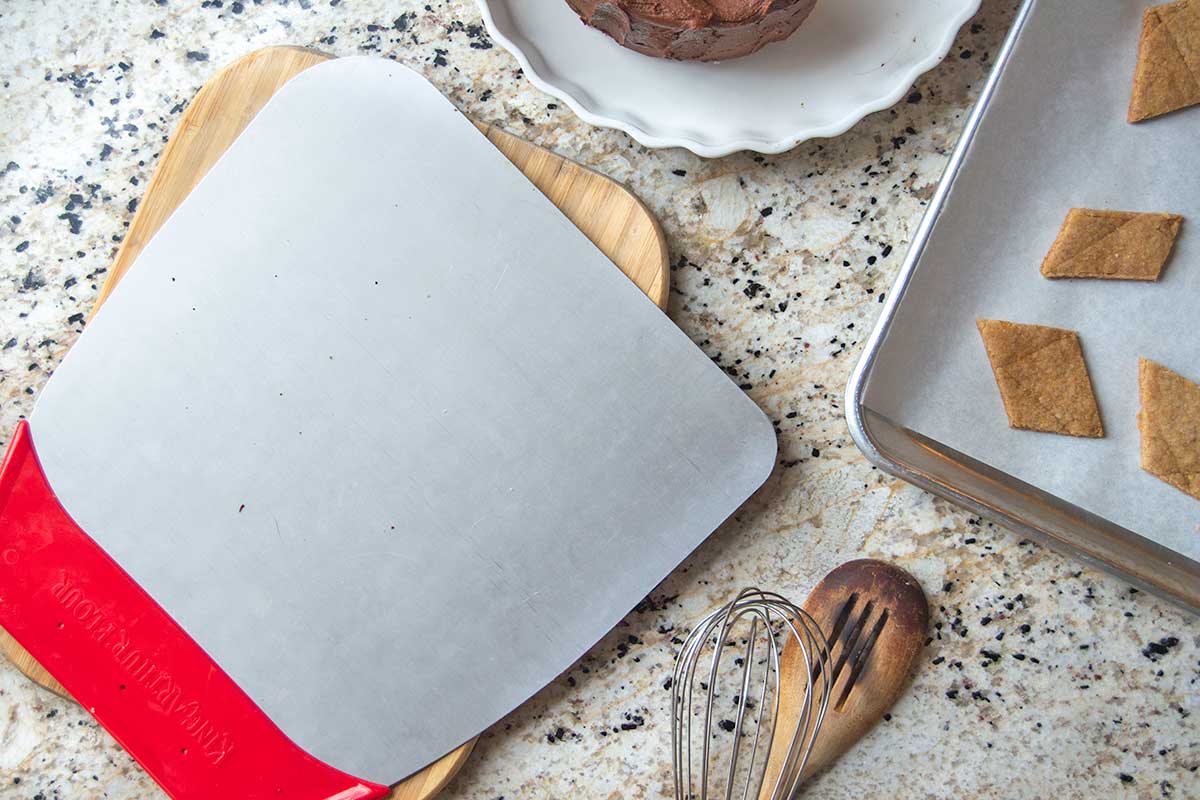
<point>129,664</point>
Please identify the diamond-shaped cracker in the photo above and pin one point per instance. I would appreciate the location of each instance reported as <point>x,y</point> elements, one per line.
<point>1042,377</point>
<point>1112,244</point>
<point>1170,426</point>
<point>1167,76</point>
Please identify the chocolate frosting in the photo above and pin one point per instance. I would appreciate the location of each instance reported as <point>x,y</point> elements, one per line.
<point>703,30</point>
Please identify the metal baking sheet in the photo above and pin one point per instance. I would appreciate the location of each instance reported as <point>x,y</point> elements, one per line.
<point>1048,134</point>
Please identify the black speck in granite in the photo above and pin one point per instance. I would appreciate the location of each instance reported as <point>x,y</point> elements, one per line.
<point>197,55</point>
<point>43,192</point>
<point>76,200</point>
<point>655,603</point>
<point>479,37</point>
<point>632,722</point>
<point>1154,650</point>
<point>33,280</point>
<point>73,220</point>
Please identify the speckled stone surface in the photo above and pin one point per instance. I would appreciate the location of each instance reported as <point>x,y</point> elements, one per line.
<point>1041,678</point>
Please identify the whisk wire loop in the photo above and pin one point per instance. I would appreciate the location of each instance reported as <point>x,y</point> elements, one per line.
<point>770,618</point>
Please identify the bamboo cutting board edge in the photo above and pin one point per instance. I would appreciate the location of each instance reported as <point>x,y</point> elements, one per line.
<point>605,211</point>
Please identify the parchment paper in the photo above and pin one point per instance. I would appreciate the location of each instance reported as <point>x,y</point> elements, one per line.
<point>1055,137</point>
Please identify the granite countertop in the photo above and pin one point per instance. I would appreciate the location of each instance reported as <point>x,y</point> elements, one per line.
<point>1042,678</point>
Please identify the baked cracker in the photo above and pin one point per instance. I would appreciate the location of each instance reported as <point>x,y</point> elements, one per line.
<point>1170,425</point>
<point>1126,245</point>
<point>1167,76</point>
<point>1042,377</point>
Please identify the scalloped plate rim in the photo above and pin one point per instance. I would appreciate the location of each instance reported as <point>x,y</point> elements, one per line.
<point>763,145</point>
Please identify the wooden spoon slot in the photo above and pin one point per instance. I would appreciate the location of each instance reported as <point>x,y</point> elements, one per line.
<point>850,640</point>
<point>836,632</point>
<point>858,659</point>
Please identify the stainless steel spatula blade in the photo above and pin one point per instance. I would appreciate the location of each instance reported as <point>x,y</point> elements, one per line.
<point>388,437</point>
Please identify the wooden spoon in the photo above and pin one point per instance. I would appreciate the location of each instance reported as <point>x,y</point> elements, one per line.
<point>875,617</point>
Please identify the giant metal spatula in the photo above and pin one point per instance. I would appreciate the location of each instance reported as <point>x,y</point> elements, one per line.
<point>331,529</point>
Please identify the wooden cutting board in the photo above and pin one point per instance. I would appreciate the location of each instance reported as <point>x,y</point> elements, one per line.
<point>606,212</point>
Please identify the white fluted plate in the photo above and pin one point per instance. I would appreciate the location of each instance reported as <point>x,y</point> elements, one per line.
<point>849,59</point>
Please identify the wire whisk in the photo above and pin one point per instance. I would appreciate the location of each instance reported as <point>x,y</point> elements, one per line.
<point>766,744</point>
